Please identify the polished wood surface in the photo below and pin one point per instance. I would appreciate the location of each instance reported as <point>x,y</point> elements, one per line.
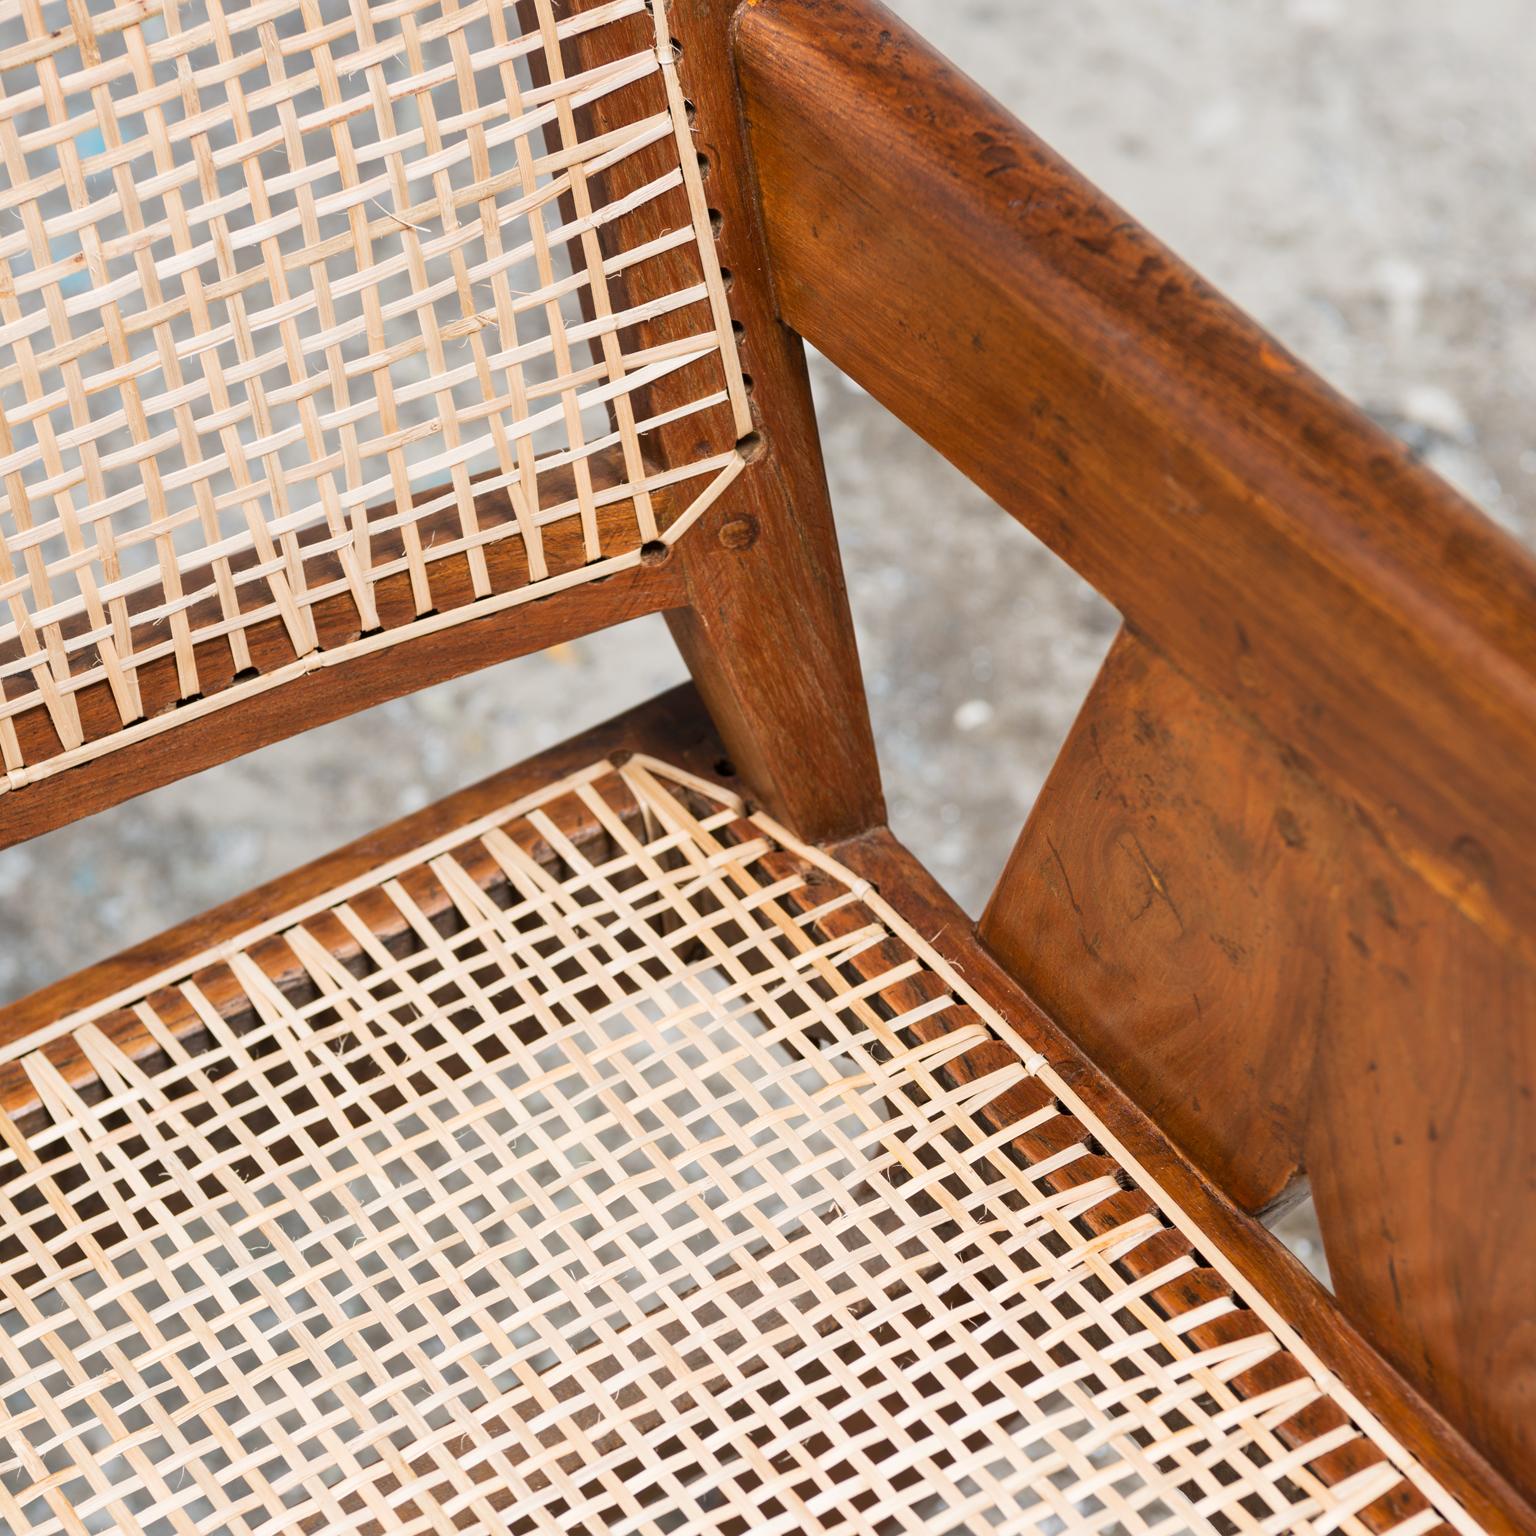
<point>1421,1147</point>
<point>1280,884</point>
<point>1170,905</point>
<point>1235,947</point>
<point>766,630</point>
<point>1344,1344</point>
<point>1261,532</point>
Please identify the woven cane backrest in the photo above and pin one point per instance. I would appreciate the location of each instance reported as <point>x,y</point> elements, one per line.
<point>311,306</point>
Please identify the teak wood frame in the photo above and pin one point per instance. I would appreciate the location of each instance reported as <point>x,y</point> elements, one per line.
<point>1279,886</point>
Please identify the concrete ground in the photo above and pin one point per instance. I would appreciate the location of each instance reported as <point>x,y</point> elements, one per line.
<point>1354,172</point>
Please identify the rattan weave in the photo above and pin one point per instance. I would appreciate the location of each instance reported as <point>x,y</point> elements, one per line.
<point>269,272</point>
<point>652,1177</point>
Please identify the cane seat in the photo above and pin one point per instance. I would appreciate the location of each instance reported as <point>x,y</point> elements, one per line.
<point>616,1163</point>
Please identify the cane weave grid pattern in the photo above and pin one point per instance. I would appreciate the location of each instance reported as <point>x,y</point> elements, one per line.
<point>299,297</point>
<point>649,1178</point>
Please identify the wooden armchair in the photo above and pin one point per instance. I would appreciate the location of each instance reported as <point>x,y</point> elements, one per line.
<point>640,1141</point>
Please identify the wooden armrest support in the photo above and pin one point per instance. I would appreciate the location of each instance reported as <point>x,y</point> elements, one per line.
<point>1253,526</point>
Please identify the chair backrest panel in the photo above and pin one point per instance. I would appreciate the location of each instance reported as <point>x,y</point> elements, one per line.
<point>321,330</point>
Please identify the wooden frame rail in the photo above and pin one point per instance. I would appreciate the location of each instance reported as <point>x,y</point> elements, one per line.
<point>1281,883</point>
<point>765,628</point>
<point>352,676</point>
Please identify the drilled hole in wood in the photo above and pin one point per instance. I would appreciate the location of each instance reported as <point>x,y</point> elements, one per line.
<point>725,769</point>
<point>654,552</point>
<point>751,447</point>
<point>716,222</point>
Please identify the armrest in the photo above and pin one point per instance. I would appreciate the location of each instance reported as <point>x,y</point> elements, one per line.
<point>1251,525</point>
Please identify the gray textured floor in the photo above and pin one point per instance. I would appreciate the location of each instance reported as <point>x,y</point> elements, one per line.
<point>1355,172</point>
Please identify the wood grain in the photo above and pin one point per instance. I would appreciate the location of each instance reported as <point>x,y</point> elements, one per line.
<point>1338,704</point>
<point>1169,904</point>
<point>676,728</point>
<point>1280,880</point>
<point>1264,535</point>
<point>766,631</point>
<point>1422,1151</point>
<point>1239,951</point>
